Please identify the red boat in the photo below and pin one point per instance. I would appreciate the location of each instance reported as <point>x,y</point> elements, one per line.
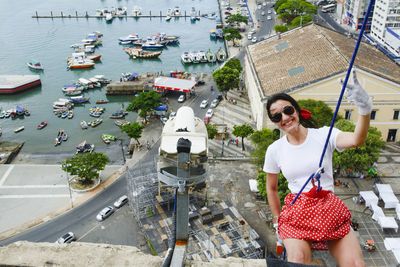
<point>42,125</point>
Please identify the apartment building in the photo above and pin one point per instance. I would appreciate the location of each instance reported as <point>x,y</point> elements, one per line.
<point>385,28</point>
<point>308,62</point>
<point>354,12</point>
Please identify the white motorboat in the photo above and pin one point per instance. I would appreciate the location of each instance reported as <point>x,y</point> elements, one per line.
<point>33,64</point>
<point>84,125</point>
<point>109,17</point>
<point>202,56</point>
<point>194,56</point>
<point>186,57</point>
<point>177,11</point>
<point>121,11</point>
<point>136,11</point>
<point>168,18</point>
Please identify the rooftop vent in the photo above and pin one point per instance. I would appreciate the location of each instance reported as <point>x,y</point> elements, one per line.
<point>281,46</point>
<point>295,71</point>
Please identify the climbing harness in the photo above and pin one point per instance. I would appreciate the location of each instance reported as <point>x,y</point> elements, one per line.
<point>317,174</point>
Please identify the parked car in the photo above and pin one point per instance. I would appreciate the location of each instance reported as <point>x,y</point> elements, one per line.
<point>200,82</point>
<point>214,103</point>
<point>219,97</point>
<point>181,98</point>
<point>263,13</point>
<point>252,31</point>
<point>163,119</point>
<point>249,36</point>
<point>269,18</point>
<point>269,11</point>
<point>172,115</point>
<point>204,103</point>
<point>264,4</point>
<point>67,238</point>
<point>105,213</point>
<point>121,201</point>
<point>254,39</point>
<point>227,13</point>
<point>209,113</point>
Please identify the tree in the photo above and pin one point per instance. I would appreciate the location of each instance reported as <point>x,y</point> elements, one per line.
<point>283,188</point>
<point>320,111</point>
<point>242,131</point>
<point>211,130</point>
<point>234,63</point>
<point>85,166</point>
<point>281,28</point>
<point>226,79</point>
<point>292,8</point>
<point>237,18</point>
<point>133,130</point>
<point>231,34</point>
<point>358,159</point>
<point>301,20</point>
<point>145,102</point>
<point>262,139</point>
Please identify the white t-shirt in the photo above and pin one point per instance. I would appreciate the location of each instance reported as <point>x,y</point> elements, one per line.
<point>298,162</point>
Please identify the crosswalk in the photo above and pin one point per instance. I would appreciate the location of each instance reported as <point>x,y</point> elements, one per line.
<point>231,114</point>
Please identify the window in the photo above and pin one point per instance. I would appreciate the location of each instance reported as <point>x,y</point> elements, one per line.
<point>373,114</point>
<point>347,115</point>
<point>396,114</point>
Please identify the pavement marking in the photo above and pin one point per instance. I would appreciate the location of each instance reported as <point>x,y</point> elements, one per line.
<point>88,232</point>
<point>33,186</point>
<point>5,175</point>
<point>35,196</point>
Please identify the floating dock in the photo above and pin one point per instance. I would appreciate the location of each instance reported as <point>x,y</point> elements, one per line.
<point>10,84</point>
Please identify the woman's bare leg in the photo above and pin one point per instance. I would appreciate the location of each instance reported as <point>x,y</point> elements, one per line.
<point>347,251</point>
<point>298,251</point>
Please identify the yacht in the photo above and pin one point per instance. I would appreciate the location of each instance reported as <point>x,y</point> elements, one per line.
<point>186,57</point>
<point>136,11</point>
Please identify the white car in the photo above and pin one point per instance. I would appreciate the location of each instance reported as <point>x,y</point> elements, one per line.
<point>204,103</point>
<point>264,4</point>
<point>67,238</point>
<point>252,31</point>
<point>172,115</point>
<point>209,113</point>
<point>254,40</point>
<point>269,11</point>
<point>163,119</point>
<point>259,6</point>
<point>214,103</point>
<point>263,13</point>
<point>121,201</point>
<point>104,213</point>
<point>249,36</point>
<point>181,98</point>
<point>269,18</point>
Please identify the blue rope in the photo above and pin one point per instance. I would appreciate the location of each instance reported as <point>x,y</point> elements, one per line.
<point>337,107</point>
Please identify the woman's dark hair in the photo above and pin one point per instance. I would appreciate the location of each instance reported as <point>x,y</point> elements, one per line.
<point>308,123</point>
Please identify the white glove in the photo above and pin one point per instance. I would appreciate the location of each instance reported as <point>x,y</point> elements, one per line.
<point>356,94</point>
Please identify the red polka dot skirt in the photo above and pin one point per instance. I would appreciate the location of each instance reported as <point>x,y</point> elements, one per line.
<point>318,217</point>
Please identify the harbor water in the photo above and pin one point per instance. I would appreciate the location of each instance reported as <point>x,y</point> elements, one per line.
<point>48,41</point>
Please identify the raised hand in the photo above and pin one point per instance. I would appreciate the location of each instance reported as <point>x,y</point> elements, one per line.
<point>357,95</point>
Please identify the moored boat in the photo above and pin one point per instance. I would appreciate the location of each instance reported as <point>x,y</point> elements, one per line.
<point>185,57</point>
<point>121,123</point>
<point>83,124</point>
<point>70,114</point>
<point>101,101</point>
<point>220,54</point>
<point>79,99</point>
<point>107,138</point>
<point>84,148</point>
<point>95,122</point>
<point>21,128</point>
<point>33,64</point>
<point>194,57</point>
<point>202,56</point>
<point>139,53</point>
<point>118,115</point>
<point>211,57</point>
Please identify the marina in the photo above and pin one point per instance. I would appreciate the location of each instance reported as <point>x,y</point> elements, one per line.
<point>49,42</point>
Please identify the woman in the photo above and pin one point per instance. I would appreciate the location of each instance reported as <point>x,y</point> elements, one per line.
<point>316,219</point>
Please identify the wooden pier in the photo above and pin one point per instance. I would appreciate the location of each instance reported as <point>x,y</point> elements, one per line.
<point>86,15</point>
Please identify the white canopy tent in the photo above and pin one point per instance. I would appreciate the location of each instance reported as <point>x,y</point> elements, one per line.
<point>369,197</point>
<point>174,84</point>
<point>390,200</point>
<point>388,222</point>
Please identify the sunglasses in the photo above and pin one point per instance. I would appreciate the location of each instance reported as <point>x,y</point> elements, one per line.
<point>277,117</point>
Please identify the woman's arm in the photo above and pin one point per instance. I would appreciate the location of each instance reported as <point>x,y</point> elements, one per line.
<point>356,94</point>
<point>272,193</point>
<point>356,138</point>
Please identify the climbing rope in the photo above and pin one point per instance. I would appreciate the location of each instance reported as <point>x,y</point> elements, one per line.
<point>317,174</point>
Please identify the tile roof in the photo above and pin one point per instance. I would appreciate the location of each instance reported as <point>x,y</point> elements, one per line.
<point>311,53</point>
